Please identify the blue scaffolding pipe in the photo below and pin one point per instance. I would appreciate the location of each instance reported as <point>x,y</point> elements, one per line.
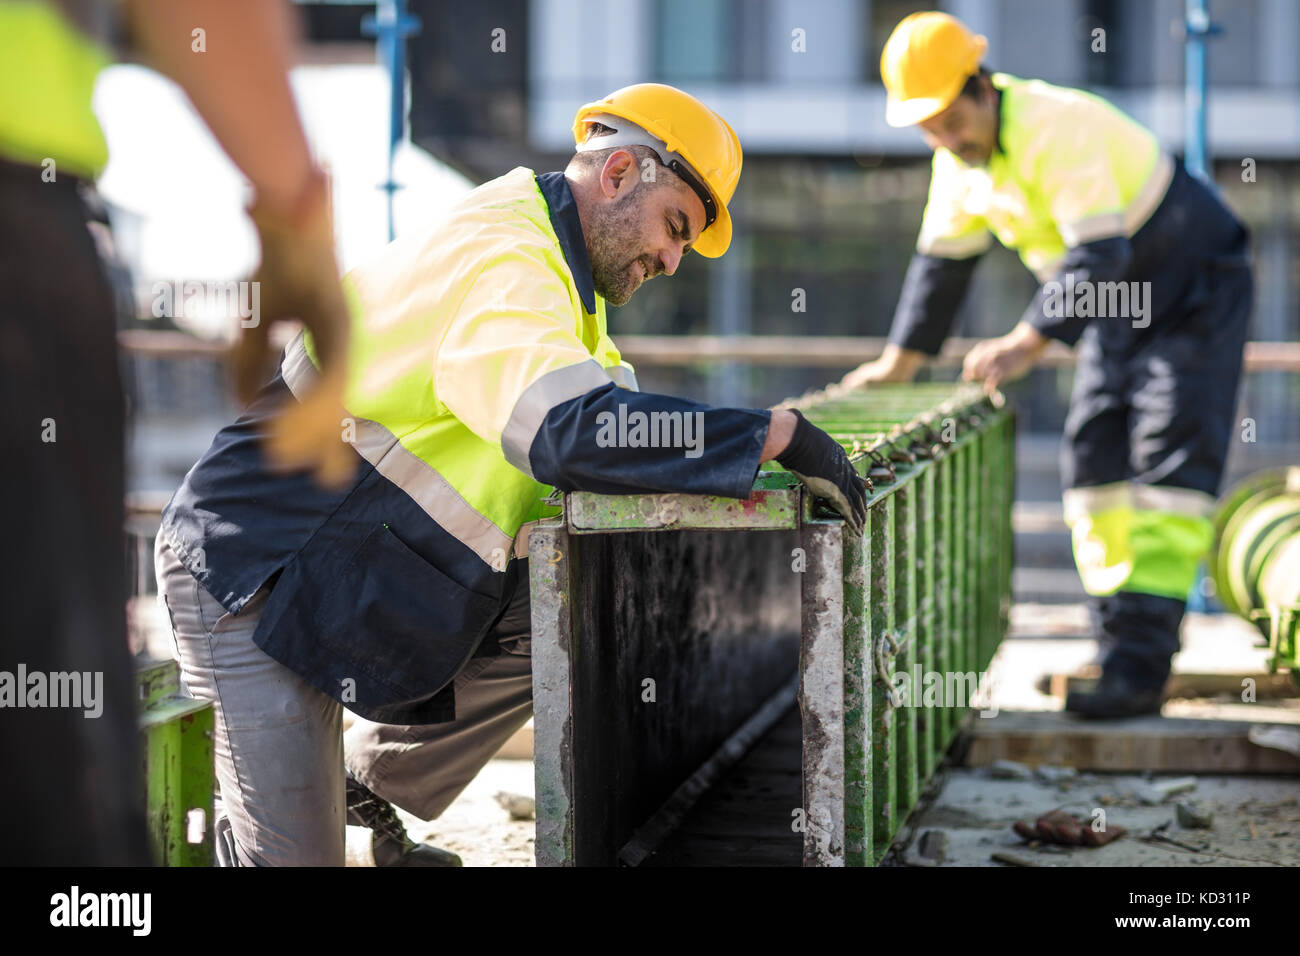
<point>390,25</point>
<point>1198,29</point>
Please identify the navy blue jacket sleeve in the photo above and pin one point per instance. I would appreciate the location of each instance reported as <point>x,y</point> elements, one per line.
<point>615,441</point>
<point>1052,310</point>
<point>933,290</point>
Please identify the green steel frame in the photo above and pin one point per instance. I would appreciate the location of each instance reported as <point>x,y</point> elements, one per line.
<point>1256,559</point>
<point>925,589</point>
<point>176,738</point>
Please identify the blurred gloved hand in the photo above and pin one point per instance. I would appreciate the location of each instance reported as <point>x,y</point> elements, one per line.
<point>817,459</point>
<point>299,279</point>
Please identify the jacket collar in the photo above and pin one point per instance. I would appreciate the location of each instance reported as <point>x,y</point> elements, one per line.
<point>1001,83</point>
<point>563,209</point>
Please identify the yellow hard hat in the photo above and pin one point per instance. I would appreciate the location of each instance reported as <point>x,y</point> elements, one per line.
<point>691,140</point>
<point>926,61</point>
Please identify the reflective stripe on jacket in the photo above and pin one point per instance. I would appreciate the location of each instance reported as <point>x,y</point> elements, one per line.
<point>1138,537</point>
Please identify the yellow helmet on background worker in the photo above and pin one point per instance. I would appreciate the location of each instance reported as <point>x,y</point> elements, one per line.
<point>691,140</point>
<point>926,62</point>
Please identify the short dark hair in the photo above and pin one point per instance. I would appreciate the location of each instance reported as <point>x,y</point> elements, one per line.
<point>974,84</point>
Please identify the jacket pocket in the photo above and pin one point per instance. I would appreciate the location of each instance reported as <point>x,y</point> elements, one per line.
<point>400,621</point>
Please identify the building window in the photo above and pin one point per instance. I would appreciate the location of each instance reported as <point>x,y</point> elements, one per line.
<point>885,15</point>
<point>710,40</point>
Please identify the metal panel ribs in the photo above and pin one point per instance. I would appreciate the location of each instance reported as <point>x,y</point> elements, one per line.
<point>671,632</point>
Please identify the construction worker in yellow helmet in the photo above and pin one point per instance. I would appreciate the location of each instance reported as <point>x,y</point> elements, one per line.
<point>483,377</point>
<point>1140,264</point>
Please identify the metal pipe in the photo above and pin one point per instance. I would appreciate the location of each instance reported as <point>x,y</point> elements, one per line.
<point>1256,559</point>
<point>390,25</point>
<point>1197,29</point>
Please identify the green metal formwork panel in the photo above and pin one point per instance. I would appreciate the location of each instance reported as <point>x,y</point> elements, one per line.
<point>859,693</point>
<point>884,736</point>
<point>909,754</point>
<point>922,593</point>
<point>944,633</point>
<point>928,719</point>
<point>937,549</point>
<point>176,737</point>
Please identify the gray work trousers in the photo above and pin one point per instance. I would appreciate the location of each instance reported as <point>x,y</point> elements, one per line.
<point>280,747</point>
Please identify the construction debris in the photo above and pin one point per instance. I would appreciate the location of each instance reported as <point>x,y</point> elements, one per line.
<point>1060,826</point>
<point>934,845</point>
<point>1194,814</point>
<point>1160,790</point>
<point>1049,773</point>
<point>1009,770</point>
<point>519,806</point>
<point>1157,835</point>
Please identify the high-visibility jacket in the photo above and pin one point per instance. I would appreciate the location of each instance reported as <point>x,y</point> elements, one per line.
<point>1070,168</point>
<point>481,377</point>
<point>48,67</point>
<point>1095,208</point>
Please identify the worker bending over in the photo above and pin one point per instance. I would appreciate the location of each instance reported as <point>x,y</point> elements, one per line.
<point>481,376</point>
<point>1141,264</point>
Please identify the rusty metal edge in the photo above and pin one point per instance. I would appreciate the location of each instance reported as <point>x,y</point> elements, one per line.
<point>548,568</point>
<point>821,695</point>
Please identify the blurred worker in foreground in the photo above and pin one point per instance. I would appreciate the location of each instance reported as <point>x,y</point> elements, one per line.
<point>1140,263</point>
<point>74,794</point>
<point>482,376</point>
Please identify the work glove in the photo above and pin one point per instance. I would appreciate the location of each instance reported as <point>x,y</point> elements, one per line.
<point>299,279</point>
<point>817,460</point>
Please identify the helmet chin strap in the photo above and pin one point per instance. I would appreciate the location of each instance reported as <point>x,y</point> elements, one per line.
<point>627,133</point>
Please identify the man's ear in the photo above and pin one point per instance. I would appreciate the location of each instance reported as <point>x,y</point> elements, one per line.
<point>618,173</point>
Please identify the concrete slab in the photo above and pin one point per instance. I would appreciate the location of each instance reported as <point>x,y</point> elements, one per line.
<point>1256,818</point>
<point>1256,821</point>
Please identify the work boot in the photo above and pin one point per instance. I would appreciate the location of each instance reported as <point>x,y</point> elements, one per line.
<point>390,843</point>
<point>1119,692</point>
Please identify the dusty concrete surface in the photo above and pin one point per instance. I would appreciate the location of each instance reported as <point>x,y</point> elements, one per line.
<point>1256,821</point>
<point>1256,818</point>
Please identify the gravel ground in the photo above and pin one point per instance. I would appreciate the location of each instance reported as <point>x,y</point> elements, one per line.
<point>475,826</point>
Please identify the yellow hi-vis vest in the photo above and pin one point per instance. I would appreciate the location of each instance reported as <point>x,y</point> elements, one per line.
<point>462,339</point>
<point>1071,169</point>
<point>47,76</point>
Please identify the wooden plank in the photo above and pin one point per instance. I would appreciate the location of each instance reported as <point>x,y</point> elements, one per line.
<point>1174,744</point>
<point>1193,684</point>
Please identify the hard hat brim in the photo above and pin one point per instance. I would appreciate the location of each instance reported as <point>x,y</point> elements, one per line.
<point>713,241</point>
<point>918,109</point>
